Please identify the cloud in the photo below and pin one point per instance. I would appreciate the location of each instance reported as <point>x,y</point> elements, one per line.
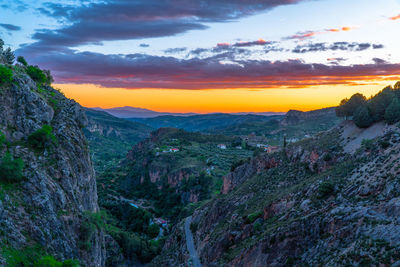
<point>144,71</point>
<point>343,46</point>
<point>96,22</point>
<point>175,50</point>
<point>395,17</point>
<point>309,34</point>
<point>10,27</point>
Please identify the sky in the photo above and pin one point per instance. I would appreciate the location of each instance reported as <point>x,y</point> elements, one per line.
<point>209,55</point>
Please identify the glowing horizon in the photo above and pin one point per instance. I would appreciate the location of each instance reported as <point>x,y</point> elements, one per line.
<point>217,100</point>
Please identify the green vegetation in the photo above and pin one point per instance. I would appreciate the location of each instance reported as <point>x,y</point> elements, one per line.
<point>392,113</point>
<point>384,106</point>
<point>2,138</point>
<point>326,189</point>
<point>8,56</point>
<point>11,170</point>
<point>42,137</point>
<point>50,261</point>
<point>33,256</point>
<point>22,61</point>
<point>362,117</point>
<point>37,75</point>
<point>5,75</point>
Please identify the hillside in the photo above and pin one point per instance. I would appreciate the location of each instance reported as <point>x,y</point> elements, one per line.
<point>294,126</point>
<point>319,205</point>
<point>111,138</point>
<point>48,194</point>
<point>202,123</point>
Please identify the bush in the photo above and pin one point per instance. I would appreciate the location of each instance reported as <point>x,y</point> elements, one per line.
<point>153,230</point>
<point>5,75</point>
<point>252,217</point>
<point>327,157</point>
<point>47,261</point>
<point>37,74</point>
<point>50,261</point>
<point>42,137</point>
<point>325,189</point>
<point>392,113</point>
<point>362,117</point>
<point>11,170</point>
<point>2,138</point>
<point>22,60</point>
<point>367,144</point>
<point>70,263</point>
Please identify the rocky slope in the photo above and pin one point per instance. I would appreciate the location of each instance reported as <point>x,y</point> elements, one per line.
<point>320,206</point>
<point>50,210</point>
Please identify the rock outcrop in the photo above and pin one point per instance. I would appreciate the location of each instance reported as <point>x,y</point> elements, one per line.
<point>46,209</point>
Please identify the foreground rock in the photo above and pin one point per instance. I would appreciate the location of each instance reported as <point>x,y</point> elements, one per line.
<point>50,210</point>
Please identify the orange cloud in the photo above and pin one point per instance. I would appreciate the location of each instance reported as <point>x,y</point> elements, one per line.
<point>395,17</point>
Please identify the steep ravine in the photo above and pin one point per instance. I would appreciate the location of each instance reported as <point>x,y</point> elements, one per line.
<point>49,211</point>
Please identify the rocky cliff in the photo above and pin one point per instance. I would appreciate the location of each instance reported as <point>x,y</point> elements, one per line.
<point>49,209</point>
<point>320,206</point>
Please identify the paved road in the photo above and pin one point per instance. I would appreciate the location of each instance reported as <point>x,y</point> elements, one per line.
<point>190,243</point>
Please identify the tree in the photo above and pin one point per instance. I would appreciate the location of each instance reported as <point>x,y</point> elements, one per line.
<point>22,60</point>
<point>1,44</point>
<point>392,113</point>
<point>378,104</point>
<point>362,117</point>
<point>9,56</point>
<point>348,107</point>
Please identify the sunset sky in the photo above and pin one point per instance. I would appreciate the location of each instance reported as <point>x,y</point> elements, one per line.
<point>209,55</point>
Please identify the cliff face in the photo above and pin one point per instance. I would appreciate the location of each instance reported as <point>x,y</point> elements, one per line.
<point>46,209</point>
<point>318,206</point>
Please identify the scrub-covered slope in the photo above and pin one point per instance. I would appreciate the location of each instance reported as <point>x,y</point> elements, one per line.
<point>318,205</point>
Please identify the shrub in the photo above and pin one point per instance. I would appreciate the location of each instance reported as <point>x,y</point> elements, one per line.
<point>327,157</point>
<point>325,189</point>
<point>37,74</point>
<point>22,60</point>
<point>5,75</point>
<point>153,230</point>
<point>42,137</point>
<point>11,170</point>
<point>252,217</point>
<point>2,138</point>
<point>367,144</point>
<point>392,113</point>
<point>47,261</point>
<point>362,117</point>
<point>70,263</point>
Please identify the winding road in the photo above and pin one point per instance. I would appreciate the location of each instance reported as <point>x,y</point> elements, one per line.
<point>190,244</point>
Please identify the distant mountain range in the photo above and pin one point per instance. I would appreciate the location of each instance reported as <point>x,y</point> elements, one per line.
<point>132,112</point>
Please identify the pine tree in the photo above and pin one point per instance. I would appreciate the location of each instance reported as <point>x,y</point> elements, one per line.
<point>392,114</point>
<point>9,56</point>
<point>362,117</point>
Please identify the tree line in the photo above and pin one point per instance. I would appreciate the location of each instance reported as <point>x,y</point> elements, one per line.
<point>384,106</point>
